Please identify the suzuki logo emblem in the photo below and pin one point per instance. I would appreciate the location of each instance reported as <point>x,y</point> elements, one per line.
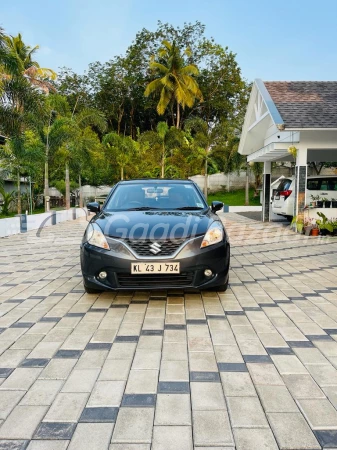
<point>155,248</point>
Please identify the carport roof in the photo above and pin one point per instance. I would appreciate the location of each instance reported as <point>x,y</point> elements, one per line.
<point>305,104</point>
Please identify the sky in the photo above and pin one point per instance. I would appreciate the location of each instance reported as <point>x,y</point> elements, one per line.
<point>273,40</point>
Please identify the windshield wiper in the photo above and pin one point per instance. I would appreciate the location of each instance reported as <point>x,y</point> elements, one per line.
<point>187,208</point>
<point>141,208</point>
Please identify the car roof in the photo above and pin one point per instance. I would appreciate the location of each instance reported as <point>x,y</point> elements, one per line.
<point>309,177</point>
<point>156,180</point>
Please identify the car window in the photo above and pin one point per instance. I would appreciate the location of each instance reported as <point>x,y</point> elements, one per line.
<point>155,196</point>
<point>284,185</point>
<point>322,184</point>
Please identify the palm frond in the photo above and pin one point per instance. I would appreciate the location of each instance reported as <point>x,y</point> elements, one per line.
<point>165,98</point>
<point>153,86</point>
<point>155,66</point>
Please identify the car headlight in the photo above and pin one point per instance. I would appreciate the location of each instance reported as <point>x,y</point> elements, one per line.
<point>215,234</point>
<point>94,236</point>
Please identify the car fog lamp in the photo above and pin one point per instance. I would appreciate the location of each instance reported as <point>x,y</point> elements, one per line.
<point>102,275</point>
<point>208,273</point>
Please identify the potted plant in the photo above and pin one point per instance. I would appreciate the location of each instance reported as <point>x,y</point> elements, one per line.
<point>324,224</point>
<point>334,203</point>
<point>334,226</point>
<point>297,224</point>
<point>327,202</point>
<point>314,199</point>
<point>319,202</point>
<point>314,230</point>
<point>308,225</point>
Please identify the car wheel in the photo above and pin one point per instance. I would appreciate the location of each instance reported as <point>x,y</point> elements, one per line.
<point>290,218</point>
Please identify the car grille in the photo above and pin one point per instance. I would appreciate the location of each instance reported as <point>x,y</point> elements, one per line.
<point>155,280</point>
<point>143,246</point>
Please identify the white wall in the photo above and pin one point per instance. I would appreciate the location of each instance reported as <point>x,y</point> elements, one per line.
<point>12,225</point>
<point>9,226</point>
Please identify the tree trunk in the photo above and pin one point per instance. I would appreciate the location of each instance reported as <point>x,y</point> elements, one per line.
<point>19,193</point>
<point>46,185</point>
<point>178,116</point>
<point>206,180</point>
<point>163,163</point>
<point>247,188</point>
<point>67,187</point>
<point>122,172</point>
<point>80,190</point>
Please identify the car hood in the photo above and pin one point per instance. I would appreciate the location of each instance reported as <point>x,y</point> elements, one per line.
<point>156,225</point>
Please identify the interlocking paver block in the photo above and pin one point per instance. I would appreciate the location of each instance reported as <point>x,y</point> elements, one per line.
<point>43,392</point>
<point>303,386</point>
<point>212,428</point>
<point>292,431</point>
<point>22,422</point>
<point>67,407</point>
<point>237,384</point>
<point>8,400</point>
<point>172,437</point>
<point>93,436</point>
<point>56,430</point>
<point>173,409</point>
<point>142,382</point>
<point>246,412</point>
<point>133,425</point>
<point>254,439</point>
<point>73,354</point>
<point>207,396</point>
<point>107,393</point>
<point>13,444</point>
<point>320,414</point>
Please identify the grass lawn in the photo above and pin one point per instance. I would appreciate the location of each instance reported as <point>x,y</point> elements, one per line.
<point>234,198</point>
<point>39,210</point>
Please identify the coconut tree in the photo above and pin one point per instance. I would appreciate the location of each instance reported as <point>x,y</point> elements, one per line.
<point>175,80</point>
<point>21,102</point>
<point>25,64</point>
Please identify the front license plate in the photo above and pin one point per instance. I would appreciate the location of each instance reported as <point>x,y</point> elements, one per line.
<point>164,268</point>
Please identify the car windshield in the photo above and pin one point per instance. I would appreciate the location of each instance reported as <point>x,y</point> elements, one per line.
<point>152,196</point>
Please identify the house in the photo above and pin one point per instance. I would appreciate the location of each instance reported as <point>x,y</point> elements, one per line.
<point>283,114</point>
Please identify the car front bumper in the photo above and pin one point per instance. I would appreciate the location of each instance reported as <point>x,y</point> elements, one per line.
<point>193,260</point>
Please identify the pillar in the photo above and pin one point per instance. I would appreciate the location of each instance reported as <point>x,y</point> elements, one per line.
<point>300,182</point>
<point>266,191</point>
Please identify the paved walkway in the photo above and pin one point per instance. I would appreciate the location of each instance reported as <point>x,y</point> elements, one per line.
<point>250,369</point>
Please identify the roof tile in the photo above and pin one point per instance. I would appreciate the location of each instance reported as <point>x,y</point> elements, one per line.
<point>305,104</point>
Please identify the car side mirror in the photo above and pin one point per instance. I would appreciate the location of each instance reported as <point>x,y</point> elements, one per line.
<point>216,206</point>
<point>94,207</point>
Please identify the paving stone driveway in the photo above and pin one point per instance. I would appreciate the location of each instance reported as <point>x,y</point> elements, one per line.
<point>250,369</point>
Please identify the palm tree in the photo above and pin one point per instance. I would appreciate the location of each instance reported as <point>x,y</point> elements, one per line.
<point>175,81</point>
<point>21,105</point>
<point>206,137</point>
<point>70,137</point>
<point>26,66</point>
<point>122,148</point>
<point>162,141</point>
